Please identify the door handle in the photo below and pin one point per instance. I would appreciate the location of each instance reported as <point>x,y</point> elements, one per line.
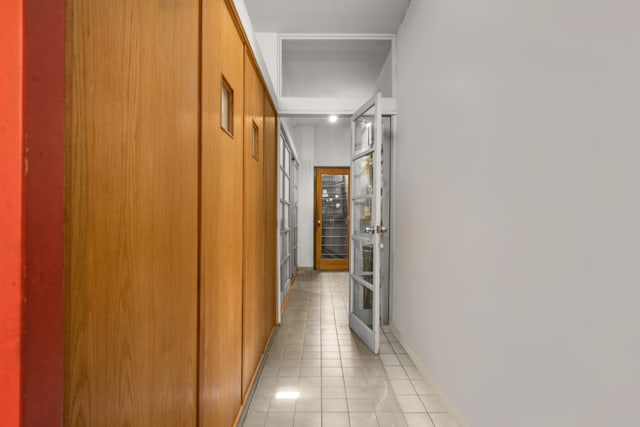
<point>378,229</point>
<point>319,222</point>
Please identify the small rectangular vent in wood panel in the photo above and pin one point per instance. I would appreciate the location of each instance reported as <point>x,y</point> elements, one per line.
<point>255,141</point>
<point>226,109</point>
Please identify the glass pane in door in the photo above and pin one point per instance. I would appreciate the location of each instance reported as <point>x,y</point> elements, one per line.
<point>285,246</point>
<point>335,217</point>
<point>285,160</point>
<point>286,192</point>
<point>363,175</point>
<point>364,135</point>
<point>363,303</point>
<point>362,216</point>
<point>363,260</point>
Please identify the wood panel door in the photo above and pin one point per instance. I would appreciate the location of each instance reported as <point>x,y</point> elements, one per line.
<point>271,215</point>
<point>332,215</point>
<point>254,224</point>
<point>221,217</point>
<point>131,213</point>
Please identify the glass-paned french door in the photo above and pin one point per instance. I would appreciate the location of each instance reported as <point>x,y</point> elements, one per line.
<point>366,225</point>
<point>288,215</point>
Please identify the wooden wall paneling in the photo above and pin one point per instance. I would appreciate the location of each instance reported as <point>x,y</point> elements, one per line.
<point>253,247</point>
<point>271,218</point>
<point>221,220</point>
<point>131,180</point>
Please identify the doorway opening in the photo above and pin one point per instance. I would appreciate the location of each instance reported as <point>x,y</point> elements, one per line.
<point>319,146</point>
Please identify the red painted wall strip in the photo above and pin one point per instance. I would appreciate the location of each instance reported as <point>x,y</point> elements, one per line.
<point>11,209</point>
<point>43,341</point>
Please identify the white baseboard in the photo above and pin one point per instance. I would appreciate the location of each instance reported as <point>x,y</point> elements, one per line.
<point>451,409</point>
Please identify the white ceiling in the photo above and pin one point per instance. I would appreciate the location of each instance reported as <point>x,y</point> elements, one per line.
<point>327,16</point>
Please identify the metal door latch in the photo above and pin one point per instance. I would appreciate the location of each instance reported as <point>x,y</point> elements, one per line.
<point>377,229</point>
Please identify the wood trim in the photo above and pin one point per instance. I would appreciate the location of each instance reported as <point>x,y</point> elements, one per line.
<point>257,371</point>
<point>291,286</point>
<point>245,397</point>
<point>286,300</point>
<point>320,264</point>
<point>226,86</point>
<point>293,279</point>
<point>284,304</point>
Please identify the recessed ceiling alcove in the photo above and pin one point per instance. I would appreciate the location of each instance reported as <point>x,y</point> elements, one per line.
<point>336,68</point>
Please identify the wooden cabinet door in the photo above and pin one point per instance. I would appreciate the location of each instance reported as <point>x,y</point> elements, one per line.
<point>254,289</point>
<point>221,217</point>
<point>131,213</point>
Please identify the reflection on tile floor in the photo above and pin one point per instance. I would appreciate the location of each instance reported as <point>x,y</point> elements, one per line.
<point>318,373</point>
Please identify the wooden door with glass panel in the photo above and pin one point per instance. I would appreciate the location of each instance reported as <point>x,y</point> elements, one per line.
<point>332,219</point>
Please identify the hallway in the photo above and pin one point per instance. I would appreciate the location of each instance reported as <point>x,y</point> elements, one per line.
<point>317,372</point>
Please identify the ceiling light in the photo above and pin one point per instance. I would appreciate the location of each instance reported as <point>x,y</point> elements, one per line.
<point>333,118</point>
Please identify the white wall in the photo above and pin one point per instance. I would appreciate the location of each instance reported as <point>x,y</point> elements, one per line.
<point>304,146</point>
<point>384,83</point>
<point>316,146</point>
<point>517,217</point>
<point>332,146</point>
<point>268,46</point>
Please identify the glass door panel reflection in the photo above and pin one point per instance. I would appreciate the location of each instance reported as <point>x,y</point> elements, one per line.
<point>363,303</point>
<point>334,216</point>
<point>362,217</point>
<point>363,176</point>
<point>363,261</point>
<point>364,132</point>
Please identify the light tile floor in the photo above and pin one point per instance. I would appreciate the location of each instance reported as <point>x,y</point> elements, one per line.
<point>318,373</point>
